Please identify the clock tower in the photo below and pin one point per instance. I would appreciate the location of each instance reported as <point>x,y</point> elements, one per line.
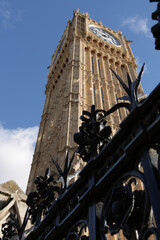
<point>80,76</point>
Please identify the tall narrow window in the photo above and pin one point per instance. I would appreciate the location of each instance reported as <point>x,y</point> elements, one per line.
<point>126,111</point>
<point>99,69</point>
<point>119,110</point>
<point>112,75</point>
<point>107,71</point>
<point>94,92</point>
<point>92,65</point>
<point>124,74</point>
<point>102,98</point>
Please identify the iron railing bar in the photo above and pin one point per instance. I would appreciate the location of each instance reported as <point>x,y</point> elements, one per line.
<point>151,131</point>
<point>129,154</point>
<point>135,143</point>
<point>109,174</point>
<point>60,229</point>
<point>151,186</point>
<point>85,197</point>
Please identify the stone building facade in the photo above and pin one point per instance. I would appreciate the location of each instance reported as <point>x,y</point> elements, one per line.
<point>12,202</point>
<point>80,76</point>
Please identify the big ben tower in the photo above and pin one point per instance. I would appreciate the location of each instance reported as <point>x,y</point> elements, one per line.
<point>80,76</point>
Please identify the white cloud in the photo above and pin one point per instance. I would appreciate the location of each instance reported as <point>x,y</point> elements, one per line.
<point>7,16</point>
<point>138,25</point>
<point>16,151</point>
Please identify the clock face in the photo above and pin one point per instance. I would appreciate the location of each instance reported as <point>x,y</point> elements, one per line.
<point>106,36</point>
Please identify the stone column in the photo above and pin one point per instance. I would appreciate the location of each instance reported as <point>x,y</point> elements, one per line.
<point>115,115</point>
<point>88,79</point>
<point>97,83</point>
<point>120,91</point>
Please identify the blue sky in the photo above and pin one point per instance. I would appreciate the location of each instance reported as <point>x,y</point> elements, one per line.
<point>29,34</point>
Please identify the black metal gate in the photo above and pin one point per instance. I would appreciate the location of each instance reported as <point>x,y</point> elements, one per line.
<point>118,190</point>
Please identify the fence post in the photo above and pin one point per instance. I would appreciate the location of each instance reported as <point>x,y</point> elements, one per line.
<point>92,211</point>
<point>151,187</point>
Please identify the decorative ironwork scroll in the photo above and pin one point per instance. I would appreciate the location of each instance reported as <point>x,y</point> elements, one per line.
<point>93,135</point>
<point>10,229</point>
<point>127,207</point>
<point>42,199</point>
<point>79,231</point>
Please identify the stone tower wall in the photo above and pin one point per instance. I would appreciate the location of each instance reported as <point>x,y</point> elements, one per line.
<point>79,76</point>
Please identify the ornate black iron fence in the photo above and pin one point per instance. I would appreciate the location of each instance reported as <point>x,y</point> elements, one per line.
<point>117,190</point>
